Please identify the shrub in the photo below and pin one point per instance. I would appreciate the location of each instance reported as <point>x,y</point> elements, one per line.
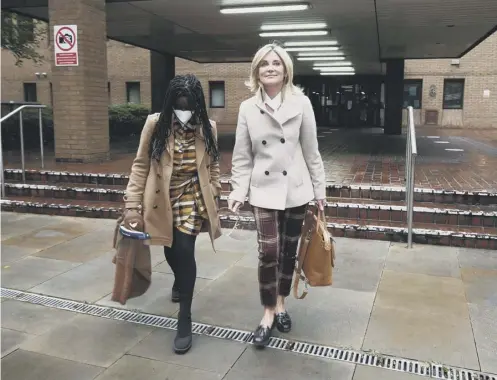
<point>126,120</point>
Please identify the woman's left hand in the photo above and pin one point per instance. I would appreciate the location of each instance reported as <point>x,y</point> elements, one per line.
<point>321,204</point>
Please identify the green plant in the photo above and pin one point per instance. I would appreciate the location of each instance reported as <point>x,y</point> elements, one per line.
<point>126,120</point>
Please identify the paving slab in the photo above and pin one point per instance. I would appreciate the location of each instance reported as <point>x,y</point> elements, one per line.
<point>359,264</point>
<point>231,301</point>
<point>23,365</point>
<point>477,258</point>
<point>157,299</point>
<point>52,234</point>
<point>422,335</point>
<point>210,264</point>
<point>89,340</point>
<point>484,322</point>
<point>373,373</point>
<point>11,339</point>
<point>423,259</point>
<point>83,248</point>
<point>330,316</point>
<point>32,319</point>
<point>14,224</point>
<point>279,365</point>
<point>88,282</point>
<point>133,368</point>
<point>12,253</point>
<point>208,354</point>
<point>420,293</point>
<point>31,271</point>
<point>480,285</point>
<point>226,243</point>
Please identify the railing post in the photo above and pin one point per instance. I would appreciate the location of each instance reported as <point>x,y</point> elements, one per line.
<point>1,165</point>
<point>21,131</point>
<point>41,139</point>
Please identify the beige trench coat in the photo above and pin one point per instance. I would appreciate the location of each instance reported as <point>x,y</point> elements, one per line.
<point>148,187</point>
<point>276,160</point>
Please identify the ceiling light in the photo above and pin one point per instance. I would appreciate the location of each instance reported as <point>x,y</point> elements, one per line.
<point>337,73</point>
<point>314,48</point>
<point>324,64</point>
<point>265,8</point>
<point>310,43</point>
<point>335,69</point>
<point>318,25</point>
<point>323,53</point>
<point>295,34</point>
<point>321,58</point>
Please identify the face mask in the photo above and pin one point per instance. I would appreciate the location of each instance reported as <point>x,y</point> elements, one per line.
<point>183,116</point>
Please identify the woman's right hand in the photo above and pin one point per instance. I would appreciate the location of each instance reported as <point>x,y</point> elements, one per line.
<point>233,205</point>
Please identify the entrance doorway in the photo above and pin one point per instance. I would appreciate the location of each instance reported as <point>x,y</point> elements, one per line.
<point>345,101</point>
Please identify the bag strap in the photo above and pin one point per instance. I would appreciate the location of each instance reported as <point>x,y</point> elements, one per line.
<point>304,243</point>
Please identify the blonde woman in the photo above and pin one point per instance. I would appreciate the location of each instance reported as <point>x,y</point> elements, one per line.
<point>277,164</point>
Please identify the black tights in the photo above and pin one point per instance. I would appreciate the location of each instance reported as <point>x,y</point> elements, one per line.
<point>181,259</point>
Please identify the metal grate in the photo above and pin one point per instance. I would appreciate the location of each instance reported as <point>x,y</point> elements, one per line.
<point>426,369</point>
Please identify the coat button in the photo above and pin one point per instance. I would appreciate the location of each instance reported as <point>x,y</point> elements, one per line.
<point>158,175</point>
<point>266,172</point>
<point>284,172</point>
<point>155,206</point>
<point>157,191</point>
<point>264,142</point>
<point>262,112</point>
<point>282,140</point>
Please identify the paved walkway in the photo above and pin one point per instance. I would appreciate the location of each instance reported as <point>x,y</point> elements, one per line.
<point>448,159</point>
<point>430,304</point>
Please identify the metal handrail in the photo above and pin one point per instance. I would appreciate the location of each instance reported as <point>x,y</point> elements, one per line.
<point>411,153</point>
<point>21,132</point>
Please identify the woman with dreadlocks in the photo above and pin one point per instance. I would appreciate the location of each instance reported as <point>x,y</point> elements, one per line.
<point>174,183</point>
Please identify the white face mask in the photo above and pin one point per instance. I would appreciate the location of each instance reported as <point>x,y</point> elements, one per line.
<point>183,116</point>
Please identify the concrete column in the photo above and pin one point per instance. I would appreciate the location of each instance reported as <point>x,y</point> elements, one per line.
<point>81,116</point>
<point>162,70</point>
<point>394,87</point>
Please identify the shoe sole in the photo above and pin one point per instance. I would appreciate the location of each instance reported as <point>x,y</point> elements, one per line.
<point>175,300</point>
<point>182,351</point>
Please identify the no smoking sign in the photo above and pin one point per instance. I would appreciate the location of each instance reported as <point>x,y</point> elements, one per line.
<point>66,45</point>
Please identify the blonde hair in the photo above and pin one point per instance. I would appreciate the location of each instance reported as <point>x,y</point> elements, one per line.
<point>253,82</point>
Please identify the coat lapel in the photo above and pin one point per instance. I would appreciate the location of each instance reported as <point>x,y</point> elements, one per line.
<point>288,110</point>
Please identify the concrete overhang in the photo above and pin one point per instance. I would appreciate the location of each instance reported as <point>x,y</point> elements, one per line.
<point>367,31</point>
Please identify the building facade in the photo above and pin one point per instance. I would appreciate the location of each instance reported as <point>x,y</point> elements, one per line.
<point>445,92</point>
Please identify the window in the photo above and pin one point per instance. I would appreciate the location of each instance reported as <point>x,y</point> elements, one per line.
<point>453,94</point>
<point>133,92</point>
<point>30,92</point>
<point>216,94</point>
<point>413,91</point>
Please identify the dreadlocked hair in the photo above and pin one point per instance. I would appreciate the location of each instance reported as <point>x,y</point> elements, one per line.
<point>190,87</point>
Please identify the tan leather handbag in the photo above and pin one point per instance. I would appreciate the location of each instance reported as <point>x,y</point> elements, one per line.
<point>316,255</point>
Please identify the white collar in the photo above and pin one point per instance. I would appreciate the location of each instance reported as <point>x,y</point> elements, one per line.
<point>274,103</point>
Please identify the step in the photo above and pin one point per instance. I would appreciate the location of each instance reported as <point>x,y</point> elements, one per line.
<point>358,209</point>
<point>424,233</point>
<point>381,193</point>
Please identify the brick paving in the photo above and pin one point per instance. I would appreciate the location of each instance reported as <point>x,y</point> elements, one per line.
<point>354,157</point>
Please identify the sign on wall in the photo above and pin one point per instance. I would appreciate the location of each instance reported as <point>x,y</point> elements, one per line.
<point>66,45</point>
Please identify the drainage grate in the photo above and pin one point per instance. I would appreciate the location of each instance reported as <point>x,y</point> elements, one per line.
<point>432,370</point>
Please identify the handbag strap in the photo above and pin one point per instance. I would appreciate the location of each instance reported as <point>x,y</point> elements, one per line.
<point>304,241</point>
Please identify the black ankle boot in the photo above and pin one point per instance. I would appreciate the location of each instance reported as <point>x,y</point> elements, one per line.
<point>183,339</point>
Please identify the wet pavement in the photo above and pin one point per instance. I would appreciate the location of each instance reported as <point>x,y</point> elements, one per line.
<point>447,159</point>
<point>431,304</point>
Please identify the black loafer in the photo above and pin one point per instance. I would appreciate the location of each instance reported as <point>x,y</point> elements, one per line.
<point>175,295</point>
<point>262,335</point>
<point>283,322</point>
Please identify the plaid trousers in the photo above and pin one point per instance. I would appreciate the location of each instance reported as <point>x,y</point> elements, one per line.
<point>278,233</point>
